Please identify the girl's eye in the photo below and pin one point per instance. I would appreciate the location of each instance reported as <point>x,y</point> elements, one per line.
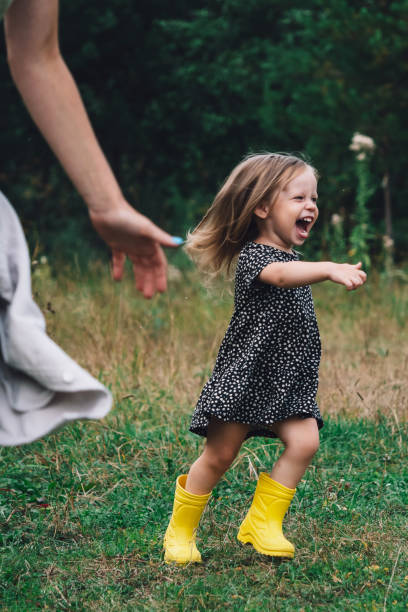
<point>298,197</point>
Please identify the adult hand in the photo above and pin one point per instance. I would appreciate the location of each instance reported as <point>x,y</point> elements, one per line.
<point>129,233</point>
<point>52,98</point>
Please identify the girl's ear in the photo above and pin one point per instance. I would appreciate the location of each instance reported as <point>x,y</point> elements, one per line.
<point>262,211</point>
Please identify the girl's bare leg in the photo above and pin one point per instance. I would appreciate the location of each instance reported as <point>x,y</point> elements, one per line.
<point>301,440</point>
<point>223,443</point>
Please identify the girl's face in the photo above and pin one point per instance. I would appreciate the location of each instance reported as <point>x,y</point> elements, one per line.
<point>288,221</point>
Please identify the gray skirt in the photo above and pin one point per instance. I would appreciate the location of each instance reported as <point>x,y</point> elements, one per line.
<point>41,387</point>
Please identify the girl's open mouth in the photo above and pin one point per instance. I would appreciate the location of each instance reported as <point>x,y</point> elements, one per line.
<point>303,226</point>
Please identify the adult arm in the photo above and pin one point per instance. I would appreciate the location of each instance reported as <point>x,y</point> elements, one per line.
<point>53,100</point>
<point>298,273</point>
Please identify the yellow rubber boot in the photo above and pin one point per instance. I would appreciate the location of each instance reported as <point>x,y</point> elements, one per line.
<point>262,526</point>
<point>179,540</point>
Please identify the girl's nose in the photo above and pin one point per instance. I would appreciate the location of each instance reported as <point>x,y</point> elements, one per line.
<point>311,204</point>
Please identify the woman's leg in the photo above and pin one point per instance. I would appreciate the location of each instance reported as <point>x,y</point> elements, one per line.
<point>301,440</point>
<point>223,443</point>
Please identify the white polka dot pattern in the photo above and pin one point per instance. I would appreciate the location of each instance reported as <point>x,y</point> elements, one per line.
<point>267,366</point>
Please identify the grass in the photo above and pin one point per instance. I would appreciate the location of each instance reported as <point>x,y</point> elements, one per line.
<point>83,511</point>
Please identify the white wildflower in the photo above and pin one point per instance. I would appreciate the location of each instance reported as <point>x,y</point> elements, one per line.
<point>388,242</point>
<point>336,219</point>
<point>43,260</point>
<point>361,156</point>
<point>360,142</point>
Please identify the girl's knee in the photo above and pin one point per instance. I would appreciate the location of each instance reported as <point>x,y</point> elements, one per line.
<point>300,437</point>
<point>304,448</point>
<point>220,460</point>
<point>312,446</point>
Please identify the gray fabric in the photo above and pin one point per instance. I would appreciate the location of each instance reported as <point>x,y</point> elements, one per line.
<point>4,4</point>
<point>41,387</point>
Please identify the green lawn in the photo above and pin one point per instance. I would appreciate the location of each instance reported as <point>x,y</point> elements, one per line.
<point>83,511</point>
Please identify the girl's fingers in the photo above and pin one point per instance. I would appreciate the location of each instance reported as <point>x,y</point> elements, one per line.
<point>360,280</point>
<point>352,283</point>
<point>356,280</point>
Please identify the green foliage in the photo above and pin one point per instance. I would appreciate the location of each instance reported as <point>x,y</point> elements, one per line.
<point>178,93</point>
<point>361,233</point>
<point>337,244</point>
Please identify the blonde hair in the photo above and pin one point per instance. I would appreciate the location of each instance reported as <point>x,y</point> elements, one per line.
<point>229,222</point>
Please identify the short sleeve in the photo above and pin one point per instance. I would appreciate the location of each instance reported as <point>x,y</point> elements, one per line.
<point>254,258</point>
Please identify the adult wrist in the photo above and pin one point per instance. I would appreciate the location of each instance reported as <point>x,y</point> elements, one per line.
<point>105,204</point>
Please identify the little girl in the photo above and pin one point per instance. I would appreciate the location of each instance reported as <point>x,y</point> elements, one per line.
<point>265,378</point>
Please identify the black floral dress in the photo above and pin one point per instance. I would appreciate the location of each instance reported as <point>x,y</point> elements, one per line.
<point>267,368</point>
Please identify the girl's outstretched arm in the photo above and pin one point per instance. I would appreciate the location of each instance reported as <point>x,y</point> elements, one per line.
<point>298,273</point>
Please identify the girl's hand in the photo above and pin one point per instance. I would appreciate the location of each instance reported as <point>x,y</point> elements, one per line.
<point>349,275</point>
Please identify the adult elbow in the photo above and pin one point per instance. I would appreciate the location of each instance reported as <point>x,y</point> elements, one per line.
<point>17,64</point>
<point>23,59</point>
<point>31,35</point>
<point>26,67</point>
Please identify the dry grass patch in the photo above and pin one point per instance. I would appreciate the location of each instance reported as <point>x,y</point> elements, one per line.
<point>170,343</point>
